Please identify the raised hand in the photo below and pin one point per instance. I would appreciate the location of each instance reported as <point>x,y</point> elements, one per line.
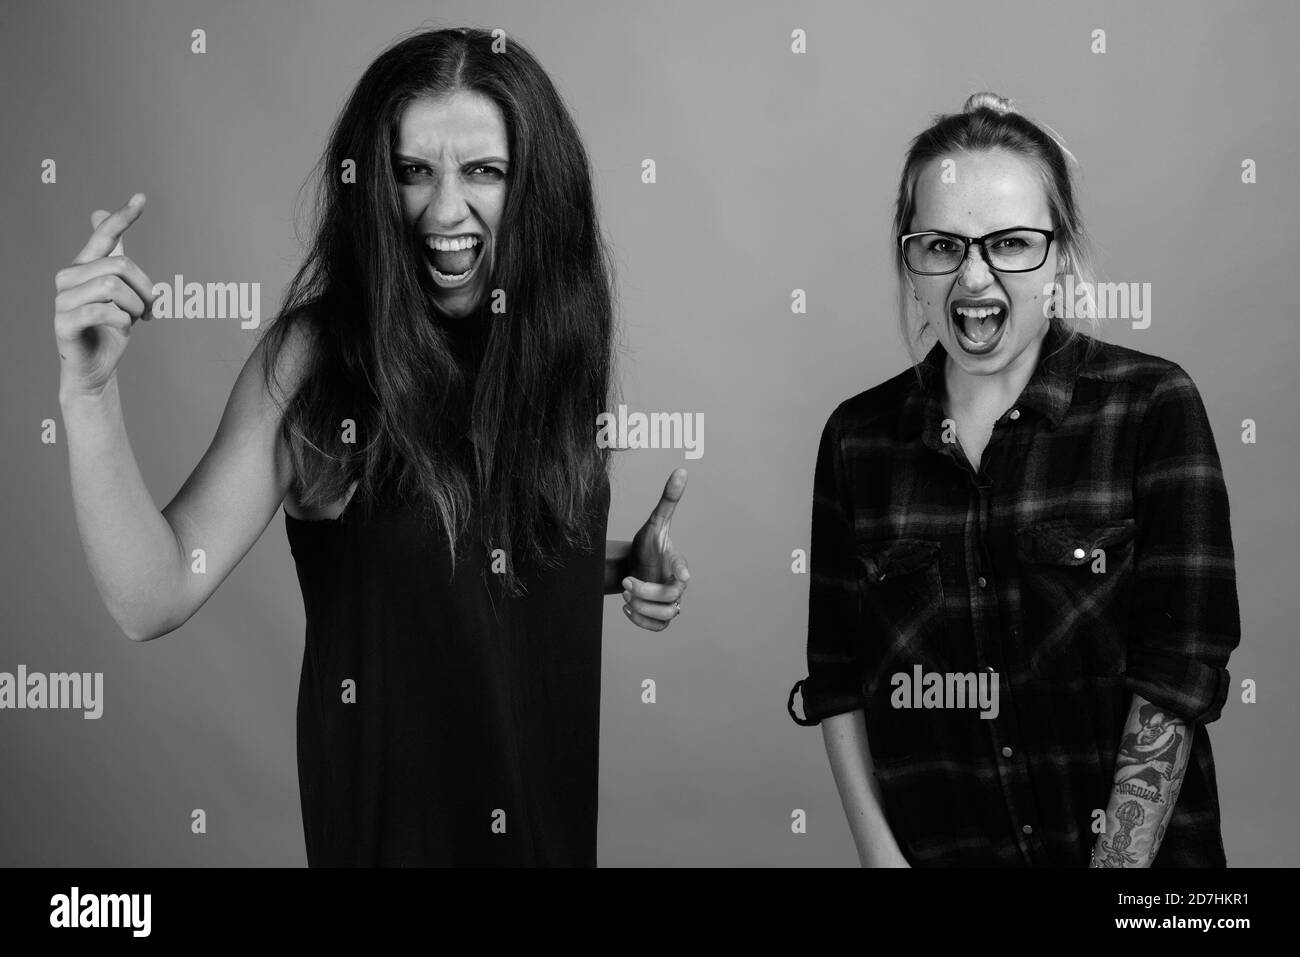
<point>657,572</point>
<point>99,298</point>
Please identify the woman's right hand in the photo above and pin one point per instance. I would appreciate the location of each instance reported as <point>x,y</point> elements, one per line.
<point>100,296</point>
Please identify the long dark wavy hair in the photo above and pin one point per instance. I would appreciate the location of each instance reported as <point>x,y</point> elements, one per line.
<point>497,440</point>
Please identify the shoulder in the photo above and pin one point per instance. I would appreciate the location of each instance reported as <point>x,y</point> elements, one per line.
<point>1155,380</point>
<point>277,368</point>
<point>868,422</point>
<point>285,353</point>
<point>1110,362</point>
<point>878,406</point>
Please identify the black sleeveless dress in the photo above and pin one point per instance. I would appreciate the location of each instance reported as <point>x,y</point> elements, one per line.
<point>440,721</point>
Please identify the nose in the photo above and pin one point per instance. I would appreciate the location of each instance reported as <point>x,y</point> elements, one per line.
<point>975,273</point>
<point>447,205</point>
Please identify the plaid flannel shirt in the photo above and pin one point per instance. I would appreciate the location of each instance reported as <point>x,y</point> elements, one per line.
<point>1087,559</point>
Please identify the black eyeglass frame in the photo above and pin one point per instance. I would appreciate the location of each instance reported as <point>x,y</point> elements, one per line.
<point>966,242</point>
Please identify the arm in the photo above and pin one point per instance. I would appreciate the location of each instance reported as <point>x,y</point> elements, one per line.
<point>845,735</point>
<point>1149,771</point>
<point>140,557</point>
<point>832,692</point>
<point>1185,610</point>
<point>1186,619</point>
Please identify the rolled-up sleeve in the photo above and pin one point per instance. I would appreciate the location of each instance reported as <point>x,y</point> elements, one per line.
<point>834,682</point>
<point>1187,620</point>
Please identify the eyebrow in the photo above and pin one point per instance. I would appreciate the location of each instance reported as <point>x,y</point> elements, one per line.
<point>404,158</point>
<point>963,234</point>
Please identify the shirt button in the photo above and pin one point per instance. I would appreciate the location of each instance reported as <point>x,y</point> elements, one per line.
<point>1015,414</point>
<point>983,582</point>
<point>1079,553</point>
<point>1027,829</point>
<point>1007,752</point>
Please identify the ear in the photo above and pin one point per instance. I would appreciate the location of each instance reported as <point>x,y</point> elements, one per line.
<point>1063,264</point>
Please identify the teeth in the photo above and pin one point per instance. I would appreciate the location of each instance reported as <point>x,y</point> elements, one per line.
<point>980,313</point>
<point>443,244</point>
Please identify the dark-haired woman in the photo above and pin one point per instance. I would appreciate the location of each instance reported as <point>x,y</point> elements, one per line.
<point>425,410</point>
<point>1022,594</point>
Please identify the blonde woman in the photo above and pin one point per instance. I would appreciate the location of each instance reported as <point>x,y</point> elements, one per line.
<point>1023,594</point>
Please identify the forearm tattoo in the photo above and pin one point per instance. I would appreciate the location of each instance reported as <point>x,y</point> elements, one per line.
<point>1148,775</point>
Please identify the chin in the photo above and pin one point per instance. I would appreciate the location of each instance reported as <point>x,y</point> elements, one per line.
<point>456,306</point>
<point>977,367</point>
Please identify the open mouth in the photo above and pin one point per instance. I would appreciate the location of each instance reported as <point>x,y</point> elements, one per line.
<point>978,326</point>
<point>453,260</point>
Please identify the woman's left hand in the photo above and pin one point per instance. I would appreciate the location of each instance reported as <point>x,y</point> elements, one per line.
<point>656,572</point>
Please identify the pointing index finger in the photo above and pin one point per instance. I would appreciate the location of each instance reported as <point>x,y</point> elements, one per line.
<point>106,239</point>
<point>672,495</point>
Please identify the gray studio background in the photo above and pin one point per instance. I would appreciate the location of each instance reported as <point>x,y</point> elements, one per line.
<point>775,172</point>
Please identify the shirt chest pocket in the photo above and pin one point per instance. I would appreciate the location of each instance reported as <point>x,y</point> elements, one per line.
<point>902,608</point>
<point>1076,592</point>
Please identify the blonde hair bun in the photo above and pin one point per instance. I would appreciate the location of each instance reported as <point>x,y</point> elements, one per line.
<point>986,100</point>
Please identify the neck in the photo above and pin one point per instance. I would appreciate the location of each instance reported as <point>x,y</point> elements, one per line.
<point>466,335</point>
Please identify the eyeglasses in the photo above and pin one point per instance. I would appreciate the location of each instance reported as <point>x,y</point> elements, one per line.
<point>933,253</point>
